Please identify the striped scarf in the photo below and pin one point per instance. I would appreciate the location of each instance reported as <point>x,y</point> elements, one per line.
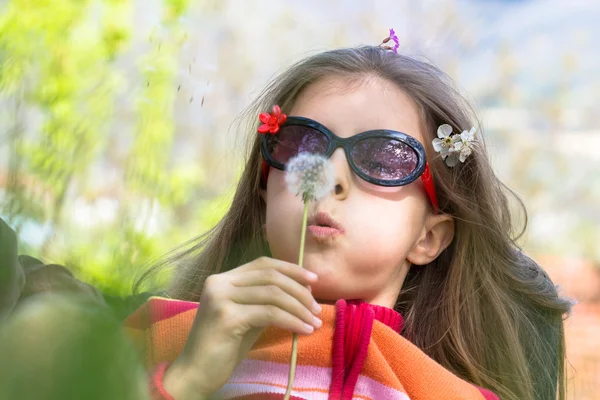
<point>358,353</point>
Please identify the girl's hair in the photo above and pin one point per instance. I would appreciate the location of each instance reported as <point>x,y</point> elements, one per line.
<point>482,309</point>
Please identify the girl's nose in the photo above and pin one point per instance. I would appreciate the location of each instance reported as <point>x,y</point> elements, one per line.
<point>343,173</point>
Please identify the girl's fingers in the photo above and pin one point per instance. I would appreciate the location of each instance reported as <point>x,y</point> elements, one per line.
<point>275,279</point>
<point>294,271</point>
<point>273,296</point>
<point>262,316</point>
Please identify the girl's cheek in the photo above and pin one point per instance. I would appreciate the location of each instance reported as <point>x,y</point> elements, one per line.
<point>387,192</point>
<point>371,187</point>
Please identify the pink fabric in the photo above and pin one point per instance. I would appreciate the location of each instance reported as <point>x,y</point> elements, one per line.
<point>157,390</point>
<point>385,315</point>
<point>489,395</point>
<point>160,311</point>
<point>353,326</point>
<point>360,323</point>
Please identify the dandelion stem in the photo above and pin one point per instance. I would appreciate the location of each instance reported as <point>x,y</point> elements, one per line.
<point>303,233</point>
<point>292,367</point>
<point>292,372</point>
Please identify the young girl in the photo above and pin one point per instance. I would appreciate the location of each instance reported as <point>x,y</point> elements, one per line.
<point>410,261</point>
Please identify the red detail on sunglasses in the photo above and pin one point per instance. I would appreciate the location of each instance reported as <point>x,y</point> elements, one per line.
<point>430,187</point>
<point>265,173</point>
<point>271,122</point>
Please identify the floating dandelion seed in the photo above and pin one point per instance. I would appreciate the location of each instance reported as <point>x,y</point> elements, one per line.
<point>312,176</point>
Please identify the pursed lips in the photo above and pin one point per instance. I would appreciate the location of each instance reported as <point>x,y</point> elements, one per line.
<point>323,226</point>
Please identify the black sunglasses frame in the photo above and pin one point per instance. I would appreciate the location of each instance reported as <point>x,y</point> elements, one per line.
<point>347,144</point>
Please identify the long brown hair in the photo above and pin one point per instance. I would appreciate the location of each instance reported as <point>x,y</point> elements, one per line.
<point>481,307</point>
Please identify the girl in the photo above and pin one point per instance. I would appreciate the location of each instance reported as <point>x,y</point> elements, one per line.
<point>420,243</point>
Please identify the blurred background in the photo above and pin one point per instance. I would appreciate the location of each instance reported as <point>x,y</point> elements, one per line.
<point>118,139</point>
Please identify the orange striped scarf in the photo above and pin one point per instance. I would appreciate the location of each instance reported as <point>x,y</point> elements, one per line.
<point>332,363</point>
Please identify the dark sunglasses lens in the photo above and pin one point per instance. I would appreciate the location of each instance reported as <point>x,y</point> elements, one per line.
<point>384,158</point>
<point>292,140</point>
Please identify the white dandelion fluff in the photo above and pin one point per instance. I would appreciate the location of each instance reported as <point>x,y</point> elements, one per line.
<point>310,175</point>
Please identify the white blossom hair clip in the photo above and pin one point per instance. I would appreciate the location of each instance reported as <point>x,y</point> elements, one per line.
<point>454,147</point>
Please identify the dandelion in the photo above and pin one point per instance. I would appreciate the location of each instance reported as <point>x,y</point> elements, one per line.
<point>312,177</point>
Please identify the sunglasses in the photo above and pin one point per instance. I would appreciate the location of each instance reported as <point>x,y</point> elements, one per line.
<point>382,157</point>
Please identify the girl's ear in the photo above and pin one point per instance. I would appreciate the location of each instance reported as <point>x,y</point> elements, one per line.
<point>438,232</point>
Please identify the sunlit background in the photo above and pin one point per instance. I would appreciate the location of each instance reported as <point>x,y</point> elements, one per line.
<point>118,139</point>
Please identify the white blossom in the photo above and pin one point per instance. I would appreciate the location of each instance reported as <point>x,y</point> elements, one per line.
<point>444,143</point>
<point>454,148</point>
<point>467,142</point>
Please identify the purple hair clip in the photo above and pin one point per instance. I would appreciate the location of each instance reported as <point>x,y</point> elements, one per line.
<point>394,39</point>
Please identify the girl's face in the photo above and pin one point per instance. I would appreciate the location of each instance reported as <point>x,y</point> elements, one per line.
<point>385,229</point>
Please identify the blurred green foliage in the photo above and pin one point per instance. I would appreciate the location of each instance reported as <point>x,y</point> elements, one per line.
<point>59,71</point>
<point>60,347</point>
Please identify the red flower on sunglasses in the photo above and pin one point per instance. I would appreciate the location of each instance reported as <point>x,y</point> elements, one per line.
<point>271,122</point>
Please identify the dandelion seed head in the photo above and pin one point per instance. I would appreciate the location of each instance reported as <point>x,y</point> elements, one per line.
<point>310,175</point>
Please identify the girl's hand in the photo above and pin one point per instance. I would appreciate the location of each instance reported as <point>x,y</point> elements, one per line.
<point>235,308</point>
